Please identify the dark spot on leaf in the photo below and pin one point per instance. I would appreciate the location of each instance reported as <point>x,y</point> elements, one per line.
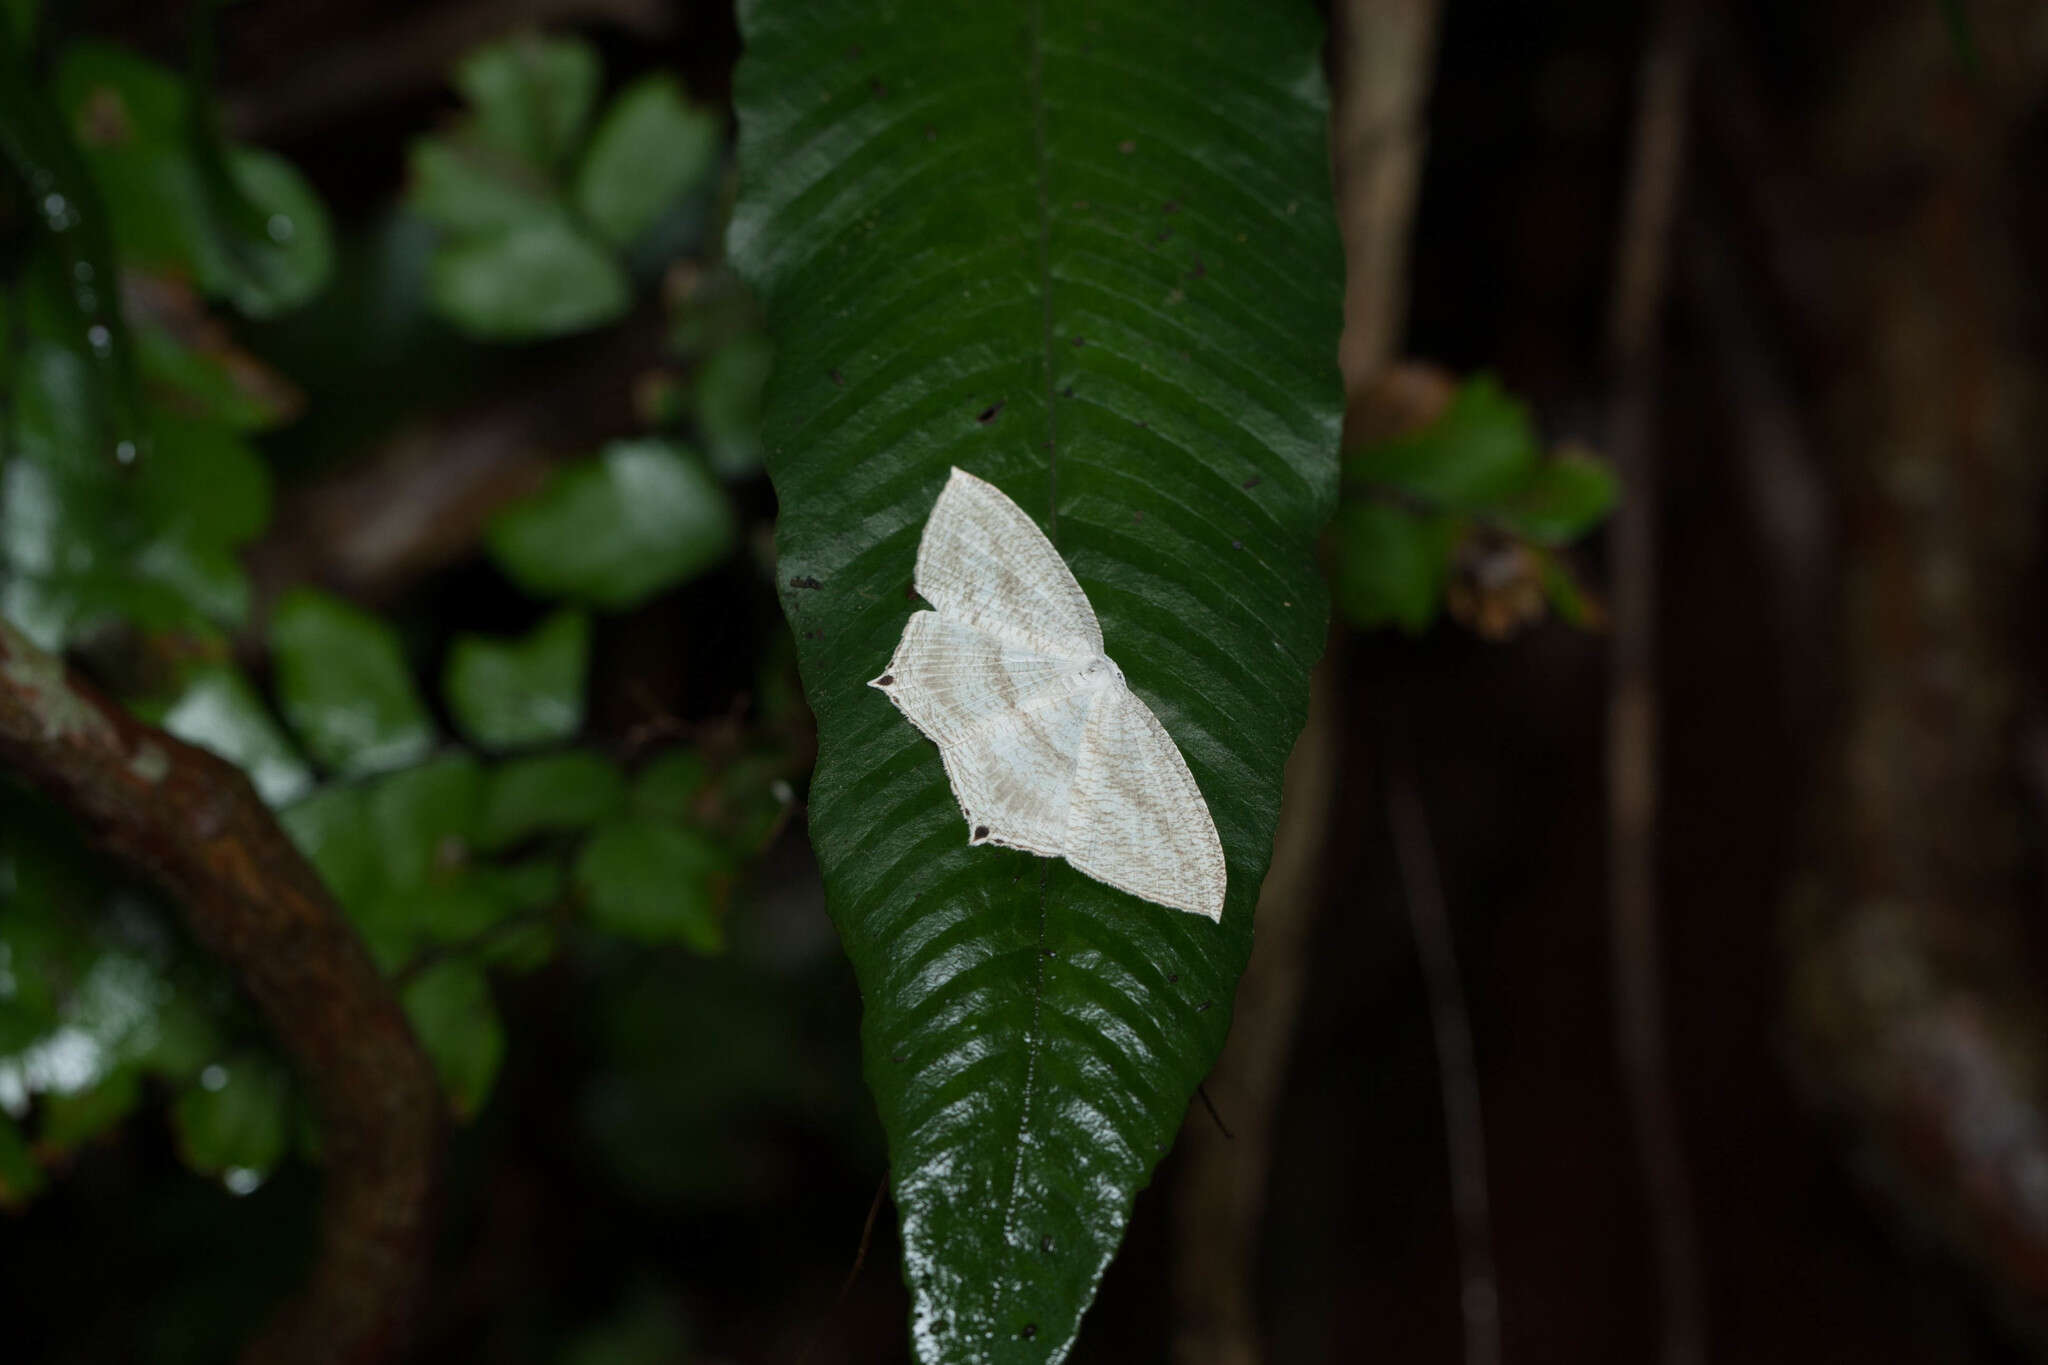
<point>1050,953</point>
<point>1237,545</point>
<point>1144,426</point>
<point>896,1057</point>
<point>931,134</point>
<point>1172,977</point>
<point>1252,482</point>
<point>1030,1331</point>
<point>1045,1242</point>
<point>1170,206</point>
<point>1199,271</point>
<point>881,90</point>
<point>1080,341</point>
<point>981,831</point>
<point>1127,146</point>
<point>1162,236</point>
<point>910,593</point>
<point>856,51</point>
<point>1137,516</point>
<point>1067,392</point>
<point>837,378</point>
<point>1081,204</point>
<point>988,414</point>
<point>886,679</point>
<point>805,581</point>
<point>1203,1008</point>
<point>941,1325</point>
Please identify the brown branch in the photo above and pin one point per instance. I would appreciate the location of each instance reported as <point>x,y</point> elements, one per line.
<point>1654,174</point>
<point>1457,1073</point>
<point>192,824</point>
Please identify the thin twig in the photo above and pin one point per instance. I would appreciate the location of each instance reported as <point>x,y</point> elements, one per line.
<point>860,1259</point>
<point>1457,1073</point>
<point>192,824</point>
<point>1653,178</point>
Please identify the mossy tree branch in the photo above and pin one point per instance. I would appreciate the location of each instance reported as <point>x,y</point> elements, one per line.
<point>191,824</point>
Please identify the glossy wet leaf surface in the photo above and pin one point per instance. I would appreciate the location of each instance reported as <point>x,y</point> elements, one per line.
<point>1086,253</point>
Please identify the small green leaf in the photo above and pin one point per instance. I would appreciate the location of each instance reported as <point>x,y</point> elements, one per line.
<point>454,913</point>
<point>345,687</point>
<point>532,95</point>
<point>1569,495</point>
<point>425,818</point>
<point>518,694</point>
<point>669,787</point>
<point>1392,564</point>
<point>542,279</point>
<point>291,264</point>
<point>470,189</point>
<point>728,393</point>
<point>616,530</point>
<point>211,379</point>
<point>218,711</point>
<point>553,792</point>
<point>332,828</point>
<point>1480,452</point>
<point>652,147</point>
<point>236,1118</point>
<point>655,882</point>
<point>451,1009</point>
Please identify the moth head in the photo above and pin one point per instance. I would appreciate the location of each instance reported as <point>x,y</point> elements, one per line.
<point>1102,668</point>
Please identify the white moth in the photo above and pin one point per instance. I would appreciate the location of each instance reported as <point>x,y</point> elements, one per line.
<point>1047,748</point>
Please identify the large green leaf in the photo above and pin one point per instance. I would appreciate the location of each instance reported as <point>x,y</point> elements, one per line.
<point>1086,252</point>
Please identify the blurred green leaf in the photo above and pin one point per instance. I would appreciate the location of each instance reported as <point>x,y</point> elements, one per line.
<point>332,828</point>
<point>451,1009</point>
<point>69,1120</point>
<point>401,921</point>
<point>219,711</point>
<point>668,787</point>
<point>549,793</point>
<point>130,117</point>
<point>728,393</point>
<point>655,882</point>
<point>293,261</point>
<point>652,147</point>
<point>345,687</point>
<point>540,279</point>
<point>424,819</point>
<point>1392,564</point>
<point>519,694</point>
<point>468,189</point>
<point>21,1179</point>
<point>1568,495</point>
<point>616,530</point>
<point>235,1121</point>
<point>1481,451</point>
<point>213,380</point>
<point>532,95</point>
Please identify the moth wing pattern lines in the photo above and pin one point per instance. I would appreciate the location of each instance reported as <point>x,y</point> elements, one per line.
<point>1045,745</point>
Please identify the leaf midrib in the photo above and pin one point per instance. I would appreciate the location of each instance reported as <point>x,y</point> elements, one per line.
<point>1034,1036</point>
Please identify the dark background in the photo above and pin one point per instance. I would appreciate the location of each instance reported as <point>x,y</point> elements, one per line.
<point>692,1135</point>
